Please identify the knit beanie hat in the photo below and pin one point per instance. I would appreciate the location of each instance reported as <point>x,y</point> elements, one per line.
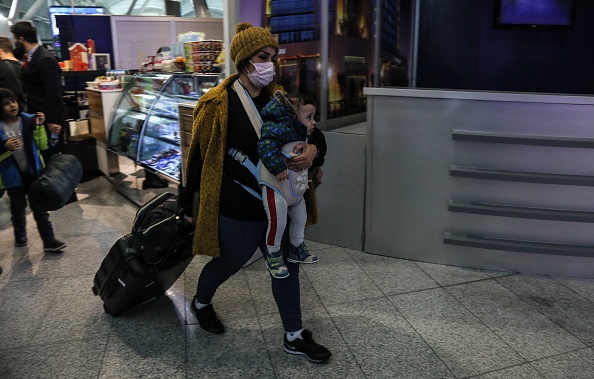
<point>248,40</point>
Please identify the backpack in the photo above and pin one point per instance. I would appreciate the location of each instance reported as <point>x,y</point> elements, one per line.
<point>160,228</point>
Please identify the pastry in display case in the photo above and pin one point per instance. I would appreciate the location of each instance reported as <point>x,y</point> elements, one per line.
<point>145,122</point>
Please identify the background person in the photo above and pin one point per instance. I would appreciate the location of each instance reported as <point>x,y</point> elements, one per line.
<point>11,71</point>
<point>20,164</point>
<point>42,79</point>
<point>230,222</point>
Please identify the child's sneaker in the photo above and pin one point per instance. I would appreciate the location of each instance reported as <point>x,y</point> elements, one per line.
<point>54,246</point>
<point>276,265</point>
<point>300,254</point>
<point>20,241</point>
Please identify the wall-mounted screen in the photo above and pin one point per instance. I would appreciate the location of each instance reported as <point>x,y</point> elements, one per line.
<point>54,10</point>
<point>534,14</point>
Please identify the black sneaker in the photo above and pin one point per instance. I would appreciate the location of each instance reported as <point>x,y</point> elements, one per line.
<point>308,347</point>
<point>20,241</point>
<point>54,246</point>
<point>207,319</point>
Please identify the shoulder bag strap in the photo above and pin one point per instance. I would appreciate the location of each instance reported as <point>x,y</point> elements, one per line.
<point>249,107</point>
<point>265,176</point>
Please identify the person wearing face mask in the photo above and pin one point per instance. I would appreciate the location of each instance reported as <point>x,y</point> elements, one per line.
<point>230,222</point>
<point>42,77</point>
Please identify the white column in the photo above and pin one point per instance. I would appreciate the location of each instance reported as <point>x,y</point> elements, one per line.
<point>324,36</point>
<point>230,19</point>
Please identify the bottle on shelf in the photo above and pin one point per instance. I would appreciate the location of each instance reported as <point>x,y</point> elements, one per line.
<point>90,46</point>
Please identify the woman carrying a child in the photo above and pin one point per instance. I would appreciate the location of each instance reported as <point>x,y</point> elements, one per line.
<point>230,222</point>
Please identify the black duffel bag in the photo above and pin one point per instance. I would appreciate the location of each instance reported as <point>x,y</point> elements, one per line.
<point>52,189</point>
<point>160,229</point>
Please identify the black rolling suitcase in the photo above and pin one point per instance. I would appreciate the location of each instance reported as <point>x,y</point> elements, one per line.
<point>126,278</point>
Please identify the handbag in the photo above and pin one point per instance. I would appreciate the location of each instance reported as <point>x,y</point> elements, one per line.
<point>52,189</point>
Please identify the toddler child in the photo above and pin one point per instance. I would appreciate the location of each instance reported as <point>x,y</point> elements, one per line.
<point>22,136</point>
<point>287,122</point>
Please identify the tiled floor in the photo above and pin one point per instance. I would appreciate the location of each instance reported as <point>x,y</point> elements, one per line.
<point>381,317</point>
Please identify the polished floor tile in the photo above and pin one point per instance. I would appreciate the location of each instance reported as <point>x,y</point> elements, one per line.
<point>135,351</point>
<point>460,339</point>
<point>577,364</point>
<point>381,317</point>
<point>391,279</point>
<point>239,353</point>
<point>522,327</point>
<point>523,371</point>
<point>572,311</point>
<point>386,345</point>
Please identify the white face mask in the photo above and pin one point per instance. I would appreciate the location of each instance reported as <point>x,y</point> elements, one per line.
<point>262,75</point>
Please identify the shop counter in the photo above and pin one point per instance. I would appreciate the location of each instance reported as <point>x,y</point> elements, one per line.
<point>101,104</point>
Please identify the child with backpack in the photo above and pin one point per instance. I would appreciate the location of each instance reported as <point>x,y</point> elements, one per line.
<point>22,136</point>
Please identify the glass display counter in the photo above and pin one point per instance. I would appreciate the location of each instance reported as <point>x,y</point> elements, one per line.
<point>145,121</point>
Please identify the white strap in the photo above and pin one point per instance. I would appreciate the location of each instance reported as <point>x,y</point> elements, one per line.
<point>249,106</point>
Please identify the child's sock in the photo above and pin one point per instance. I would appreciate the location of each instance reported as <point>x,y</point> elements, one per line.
<point>292,336</point>
<point>198,304</point>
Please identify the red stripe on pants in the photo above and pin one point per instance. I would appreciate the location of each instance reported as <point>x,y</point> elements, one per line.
<point>273,217</point>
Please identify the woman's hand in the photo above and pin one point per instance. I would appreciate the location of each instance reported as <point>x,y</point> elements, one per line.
<point>39,118</point>
<point>305,159</point>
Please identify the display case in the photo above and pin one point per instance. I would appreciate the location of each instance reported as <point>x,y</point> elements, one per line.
<point>145,122</point>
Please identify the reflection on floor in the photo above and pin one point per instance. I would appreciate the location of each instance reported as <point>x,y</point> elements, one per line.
<point>381,317</point>
<point>128,182</point>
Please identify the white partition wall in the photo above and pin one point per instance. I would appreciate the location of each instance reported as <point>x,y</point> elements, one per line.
<point>136,37</point>
<point>487,180</point>
<point>341,196</point>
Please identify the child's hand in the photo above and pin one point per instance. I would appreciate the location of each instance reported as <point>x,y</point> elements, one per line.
<point>39,118</point>
<point>13,144</point>
<point>54,128</point>
<point>284,175</point>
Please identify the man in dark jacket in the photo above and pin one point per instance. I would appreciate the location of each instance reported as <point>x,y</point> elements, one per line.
<point>11,71</point>
<point>42,78</point>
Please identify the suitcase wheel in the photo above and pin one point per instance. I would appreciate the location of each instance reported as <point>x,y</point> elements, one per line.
<point>109,312</point>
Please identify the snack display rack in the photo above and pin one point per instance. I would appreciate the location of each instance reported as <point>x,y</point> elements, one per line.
<point>145,121</point>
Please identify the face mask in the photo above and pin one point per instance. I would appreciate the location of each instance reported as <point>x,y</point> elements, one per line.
<point>262,75</point>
